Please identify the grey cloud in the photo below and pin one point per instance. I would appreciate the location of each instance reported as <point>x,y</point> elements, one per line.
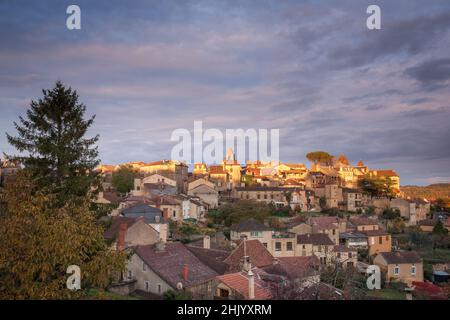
<point>412,36</point>
<point>431,74</point>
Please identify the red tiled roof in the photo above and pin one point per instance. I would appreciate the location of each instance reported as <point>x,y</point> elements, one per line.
<point>216,170</point>
<point>294,267</point>
<point>112,197</point>
<point>344,249</point>
<point>169,263</point>
<point>400,257</point>
<point>113,230</point>
<point>362,221</point>
<point>239,282</point>
<point>258,254</point>
<point>324,223</point>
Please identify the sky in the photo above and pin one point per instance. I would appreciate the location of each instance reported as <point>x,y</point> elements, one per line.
<point>309,68</point>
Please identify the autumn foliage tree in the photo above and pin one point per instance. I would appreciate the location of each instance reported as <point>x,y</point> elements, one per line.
<point>39,241</point>
<point>47,223</point>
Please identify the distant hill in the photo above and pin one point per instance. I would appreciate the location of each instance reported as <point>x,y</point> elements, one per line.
<point>431,192</point>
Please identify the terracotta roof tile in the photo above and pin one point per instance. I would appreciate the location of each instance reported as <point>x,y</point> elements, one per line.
<point>258,254</point>
<point>169,264</point>
<point>240,283</point>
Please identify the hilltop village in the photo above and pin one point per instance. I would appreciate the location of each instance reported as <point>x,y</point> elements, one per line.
<point>269,231</point>
<point>264,230</point>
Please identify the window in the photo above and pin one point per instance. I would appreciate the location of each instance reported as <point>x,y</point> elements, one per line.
<point>130,274</point>
<point>223,293</point>
<point>174,213</point>
<point>258,196</point>
<point>248,197</point>
<point>339,255</point>
<point>372,241</point>
<point>350,254</point>
<point>387,238</point>
<point>159,288</point>
<point>271,196</point>
<point>265,244</point>
<point>265,196</point>
<point>144,267</point>
<point>277,246</point>
<point>397,270</point>
<point>380,240</point>
<point>289,246</point>
<point>413,270</point>
<point>138,188</point>
<point>303,247</point>
<point>147,286</point>
<point>255,234</point>
<point>334,232</point>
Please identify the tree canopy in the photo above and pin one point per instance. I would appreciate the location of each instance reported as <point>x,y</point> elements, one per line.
<point>46,223</point>
<point>320,157</point>
<point>123,178</point>
<point>39,241</point>
<point>51,140</point>
<point>377,186</point>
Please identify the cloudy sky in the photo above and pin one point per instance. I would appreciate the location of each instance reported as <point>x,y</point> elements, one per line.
<point>310,68</point>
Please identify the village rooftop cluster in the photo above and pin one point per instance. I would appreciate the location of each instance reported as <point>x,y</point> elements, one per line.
<point>333,223</point>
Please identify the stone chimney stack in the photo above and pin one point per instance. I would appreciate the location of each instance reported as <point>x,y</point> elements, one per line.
<point>206,242</point>
<point>121,236</point>
<point>185,272</point>
<point>251,285</point>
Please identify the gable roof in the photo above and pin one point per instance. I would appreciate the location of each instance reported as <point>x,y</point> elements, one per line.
<point>294,267</point>
<point>363,221</point>
<point>113,230</point>
<point>249,225</point>
<point>216,170</point>
<point>240,283</point>
<point>427,222</point>
<point>213,258</point>
<point>258,254</point>
<point>314,239</point>
<point>400,257</point>
<point>324,223</point>
<point>144,210</point>
<point>169,263</point>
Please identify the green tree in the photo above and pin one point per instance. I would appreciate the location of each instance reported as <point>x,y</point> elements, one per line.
<point>40,240</point>
<point>123,178</point>
<point>377,186</point>
<point>391,214</point>
<point>323,203</point>
<point>176,295</point>
<point>53,147</point>
<point>320,157</point>
<point>439,229</point>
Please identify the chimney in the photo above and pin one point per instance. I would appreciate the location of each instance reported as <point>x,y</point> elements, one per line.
<point>206,242</point>
<point>251,285</point>
<point>160,246</point>
<point>121,237</point>
<point>185,272</point>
